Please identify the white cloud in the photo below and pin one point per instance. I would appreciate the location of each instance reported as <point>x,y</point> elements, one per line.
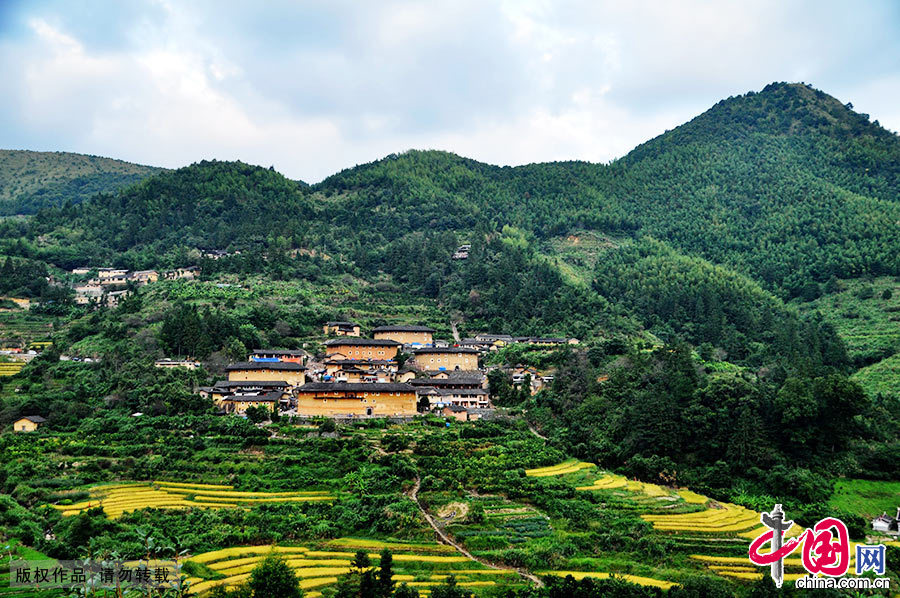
<point>316,87</point>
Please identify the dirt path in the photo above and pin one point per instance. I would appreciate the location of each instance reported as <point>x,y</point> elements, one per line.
<point>455,331</point>
<point>414,496</point>
<point>536,433</point>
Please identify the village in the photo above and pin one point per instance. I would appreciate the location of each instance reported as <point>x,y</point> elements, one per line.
<point>400,372</point>
<point>108,286</point>
<point>396,371</point>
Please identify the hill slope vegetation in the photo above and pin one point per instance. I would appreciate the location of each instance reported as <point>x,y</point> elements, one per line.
<point>31,180</point>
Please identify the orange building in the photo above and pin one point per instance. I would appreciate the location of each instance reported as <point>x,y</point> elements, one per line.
<point>267,371</point>
<point>348,399</point>
<point>446,358</point>
<point>362,348</point>
<point>30,423</point>
<point>407,335</point>
<point>341,328</point>
<point>279,355</point>
<point>239,403</point>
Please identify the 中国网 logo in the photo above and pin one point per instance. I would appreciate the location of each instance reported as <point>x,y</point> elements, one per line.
<point>825,551</point>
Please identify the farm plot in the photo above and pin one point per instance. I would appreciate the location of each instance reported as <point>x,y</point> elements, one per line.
<point>602,481</point>
<point>317,567</point>
<point>715,534</point>
<point>561,469</point>
<point>118,499</point>
<point>504,523</point>
<point>11,368</point>
<point>636,579</point>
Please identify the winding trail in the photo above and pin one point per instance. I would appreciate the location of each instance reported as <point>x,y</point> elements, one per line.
<point>414,496</point>
<point>536,433</point>
<point>455,331</point>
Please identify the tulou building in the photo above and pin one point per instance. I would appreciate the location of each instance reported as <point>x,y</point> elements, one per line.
<point>341,328</point>
<point>421,336</point>
<point>361,348</point>
<point>348,399</point>
<point>446,358</point>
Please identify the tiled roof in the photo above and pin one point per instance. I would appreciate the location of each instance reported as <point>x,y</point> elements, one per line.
<point>286,366</point>
<point>445,350</point>
<point>363,342</point>
<point>356,387</point>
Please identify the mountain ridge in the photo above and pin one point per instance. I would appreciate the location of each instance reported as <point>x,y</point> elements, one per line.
<point>31,180</point>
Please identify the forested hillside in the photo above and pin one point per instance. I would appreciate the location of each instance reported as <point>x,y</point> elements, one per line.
<point>766,196</point>
<point>30,180</point>
<point>786,185</point>
<point>714,232</point>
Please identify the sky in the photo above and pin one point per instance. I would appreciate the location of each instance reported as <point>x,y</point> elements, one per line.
<point>313,87</point>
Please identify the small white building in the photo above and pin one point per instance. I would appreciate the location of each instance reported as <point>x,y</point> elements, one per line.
<point>886,524</point>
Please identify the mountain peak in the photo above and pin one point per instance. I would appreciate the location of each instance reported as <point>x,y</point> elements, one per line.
<point>780,109</point>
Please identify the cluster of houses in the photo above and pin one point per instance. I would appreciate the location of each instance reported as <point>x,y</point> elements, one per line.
<point>493,342</point>
<point>462,252</point>
<point>109,285</point>
<point>360,377</point>
<point>399,372</point>
<point>217,254</point>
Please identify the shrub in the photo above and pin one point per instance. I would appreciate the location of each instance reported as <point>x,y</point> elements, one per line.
<point>272,578</point>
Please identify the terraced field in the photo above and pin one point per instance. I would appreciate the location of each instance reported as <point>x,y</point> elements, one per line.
<point>563,468</point>
<point>636,579</point>
<point>118,499</point>
<point>26,326</point>
<point>605,481</point>
<point>11,368</point>
<point>421,565</point>
<point>882,377</point>
<point>712,533</point>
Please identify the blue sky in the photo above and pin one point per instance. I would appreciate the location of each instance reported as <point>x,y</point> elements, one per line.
<point>314,87</point>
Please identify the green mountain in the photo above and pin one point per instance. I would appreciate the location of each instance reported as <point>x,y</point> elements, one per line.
<point>30,180</point>
<point>787,185</point>
<point>762,198</point>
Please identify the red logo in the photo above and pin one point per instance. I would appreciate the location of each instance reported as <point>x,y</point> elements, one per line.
<point>825,547</point>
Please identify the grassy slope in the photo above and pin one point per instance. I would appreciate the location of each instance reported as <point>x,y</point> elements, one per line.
<point>866,497</point>
<point>28,178</point>
<point>870,326</point>
<point>882,377</point>
<point>576,254</point>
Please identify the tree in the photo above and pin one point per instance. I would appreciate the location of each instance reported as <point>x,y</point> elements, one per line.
<point>449,589</point>
<point>257,415</point>
<point>272,578</point>
<point>404,591</point>
<point>361,561</point>
<point>360,582</point>
<point>385,586</point>
<point>235,349</point>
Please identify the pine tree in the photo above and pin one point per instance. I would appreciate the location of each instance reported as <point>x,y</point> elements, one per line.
<point>386,574</point>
